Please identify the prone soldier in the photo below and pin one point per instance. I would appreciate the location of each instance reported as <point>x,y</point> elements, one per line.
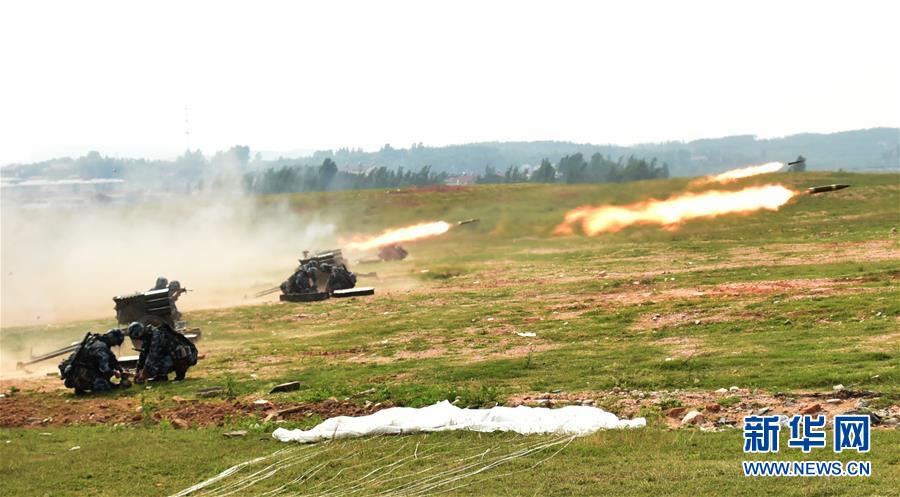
<point>93,364</point>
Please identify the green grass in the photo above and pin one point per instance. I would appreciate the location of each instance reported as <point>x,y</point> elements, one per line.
<point>449,334</point>
<point>162,461</point>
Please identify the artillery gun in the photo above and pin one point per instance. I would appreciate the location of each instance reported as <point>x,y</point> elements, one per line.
<point>316,290</point>
<point>333,257</point>
<point>154,307</point>
<point>393,252</point>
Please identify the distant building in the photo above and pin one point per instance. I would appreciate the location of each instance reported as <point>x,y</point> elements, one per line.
<point>465,179</point>
<point>357,169</point>
<point>71,192</point>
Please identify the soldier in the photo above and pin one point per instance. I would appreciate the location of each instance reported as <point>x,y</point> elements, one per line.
<point>299,282</point>
<point>93,364</point>
<point>295,281</point>
<point>338,278</point>
<point>175,291</point>
<point>161,283</point>
<point>162,352</point>
<point>312,270</point>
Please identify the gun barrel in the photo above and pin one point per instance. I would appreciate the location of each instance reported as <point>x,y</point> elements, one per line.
<point>267,291</point>
<point>48,355</point>
<point>825,188</point>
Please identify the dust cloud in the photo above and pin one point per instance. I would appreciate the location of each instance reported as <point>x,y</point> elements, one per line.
<point>66,263</point>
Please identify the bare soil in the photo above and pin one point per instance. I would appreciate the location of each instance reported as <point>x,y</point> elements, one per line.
<point>66,409</point>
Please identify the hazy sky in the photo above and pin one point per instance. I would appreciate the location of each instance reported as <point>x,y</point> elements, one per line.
<point>116,76</point>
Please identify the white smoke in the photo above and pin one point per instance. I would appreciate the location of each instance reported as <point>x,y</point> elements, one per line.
<point>61,264</point>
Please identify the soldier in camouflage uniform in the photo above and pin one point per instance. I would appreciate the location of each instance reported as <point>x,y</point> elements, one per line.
<point>299,282</point>
<point>312,270</point>
<point>93,364</point>
<point>175,291</point>
<point>338,278</point>
<point>162,352</point>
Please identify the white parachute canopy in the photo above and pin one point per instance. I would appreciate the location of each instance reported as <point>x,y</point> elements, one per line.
<point>444,416</point>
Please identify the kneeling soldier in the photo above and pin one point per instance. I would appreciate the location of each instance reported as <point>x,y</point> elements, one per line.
<point>338,278</point>
<point>162,352</point>
<point>93,364</point>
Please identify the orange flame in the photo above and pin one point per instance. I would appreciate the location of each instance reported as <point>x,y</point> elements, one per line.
<point>670,212</point>
<point>745,172</point>
<point>404,234</point>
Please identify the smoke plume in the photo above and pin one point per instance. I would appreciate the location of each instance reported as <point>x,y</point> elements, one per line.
<point>65,263</point>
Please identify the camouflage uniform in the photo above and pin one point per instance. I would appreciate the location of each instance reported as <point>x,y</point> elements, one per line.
<point>299,282</point>
<point>93,363</point>
<point>312,270</point>
<point>340,279</point>
<point>164,351</point>
<point>175,291</point>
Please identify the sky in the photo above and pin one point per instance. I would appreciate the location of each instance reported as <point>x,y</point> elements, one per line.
<point>121,76</point>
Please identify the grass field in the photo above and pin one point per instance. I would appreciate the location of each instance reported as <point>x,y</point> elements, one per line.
<point>783,305</point>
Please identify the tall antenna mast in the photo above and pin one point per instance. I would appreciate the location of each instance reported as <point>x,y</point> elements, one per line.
<point>187,132</point>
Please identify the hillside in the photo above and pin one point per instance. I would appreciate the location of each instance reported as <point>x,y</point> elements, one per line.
<point>876,149</point>
<point>859,150</point>
<point>781,305</point>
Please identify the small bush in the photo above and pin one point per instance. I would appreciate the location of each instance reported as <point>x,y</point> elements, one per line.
<point>667,404</point>
<point>231,387</point>
<point>729,401</point>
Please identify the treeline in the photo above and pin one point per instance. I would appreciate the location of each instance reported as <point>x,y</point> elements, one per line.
<point>574,169</point>
<point>875,149</point>
<point>868,149</point>
<point>327,177</point>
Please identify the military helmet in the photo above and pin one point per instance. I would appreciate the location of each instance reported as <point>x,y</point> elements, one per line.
<point>174,285</point>
<point>135,330</point>
<point>161,283</point>
<point>115,336</point>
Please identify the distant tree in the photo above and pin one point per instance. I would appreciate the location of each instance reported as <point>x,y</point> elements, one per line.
<point>490,176</point>
<point>327,171</point>
<point>242,154</point>
<point>545,173</point>
<point>513,175</point>
<point>601,169</point>
<point>573,168</point>
<point>663,172</point>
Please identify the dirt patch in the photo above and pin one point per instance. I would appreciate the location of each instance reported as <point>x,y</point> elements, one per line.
<point>737,289</point>
<point>570,310</point>
<point>803,287</point>
<point>719,409</point>
<point>421,354</point>
<point>462,351</point>
<point>681,346</point>
<point>512,352</point>
<point>66,409</point>
<point>817,253</point>
<point>877,342</point>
